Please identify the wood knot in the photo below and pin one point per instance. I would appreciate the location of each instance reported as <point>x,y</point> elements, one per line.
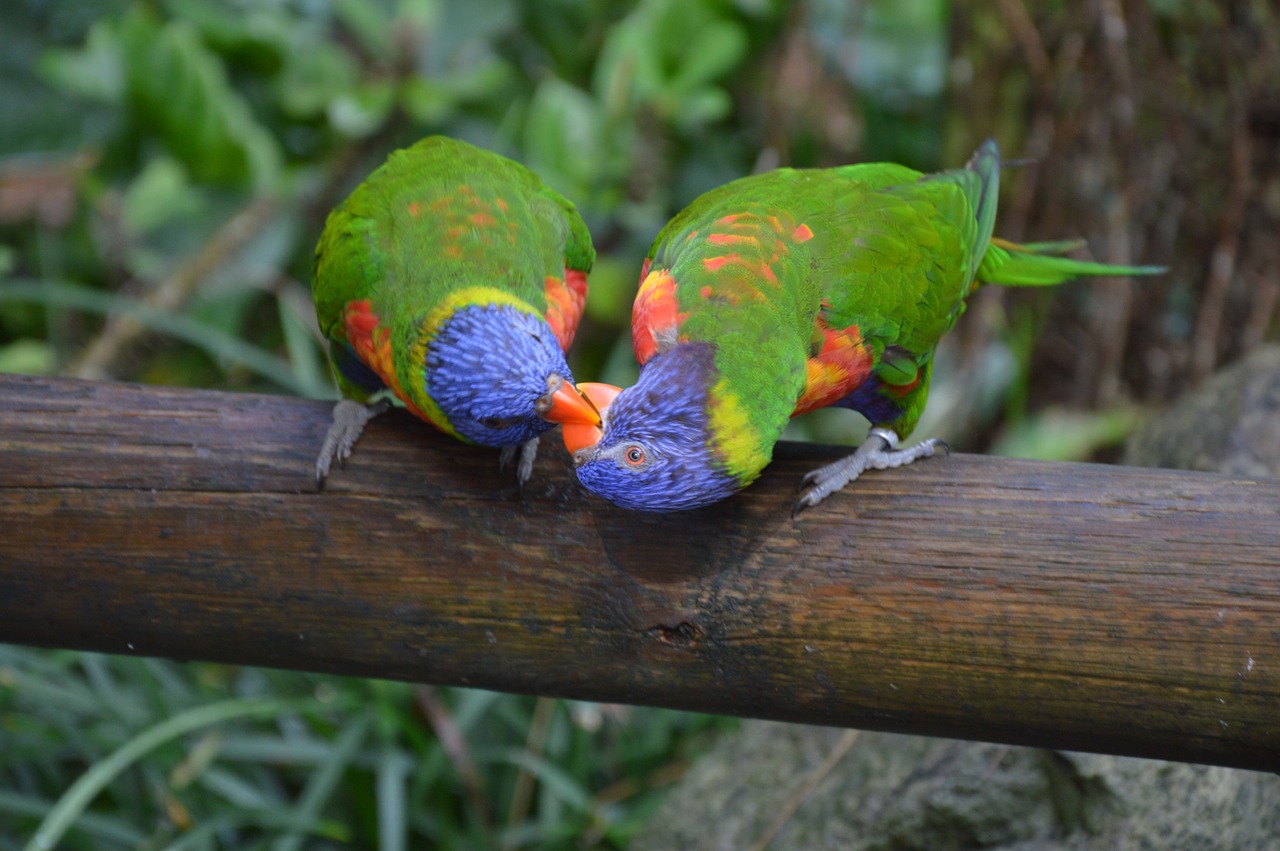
<point>683,634</point>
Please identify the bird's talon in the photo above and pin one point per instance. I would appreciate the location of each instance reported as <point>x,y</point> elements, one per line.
<point>349,419</point>
<point>504,458</point>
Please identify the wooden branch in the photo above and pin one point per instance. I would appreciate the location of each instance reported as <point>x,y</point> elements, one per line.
<point>1066,605</point>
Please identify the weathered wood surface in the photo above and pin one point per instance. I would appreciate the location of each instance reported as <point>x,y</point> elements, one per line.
<point>1075,606</point>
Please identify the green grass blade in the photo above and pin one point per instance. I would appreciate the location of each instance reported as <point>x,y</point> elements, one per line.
<point>321,786</point>
<point>204,834</point>
<point>74,801</point>
<point>393,809</point>
<point>560,783</point>
<point>106,828</point>
<point>310,364</point>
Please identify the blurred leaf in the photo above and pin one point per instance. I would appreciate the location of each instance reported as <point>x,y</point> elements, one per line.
<point>562,138</point>
<point>28,357</point>
<point>370,23</point>
<point>95,71</point>
<point>430,98</point>
<point>620,366</point>
<point>612,290</point>
<point>159,195</point>
<point>219,345</point>
<point>393,810</point>
<point>465,22</point>
<point>254,36</point>
<point>701,107</point>
<point>427,100</point>
<point>36,119</point>
<point>1057,434</point>
<point>234,789</point>
<point>709,53</point>
<point>359,112</point>
<point>313,78</point>
<point>179,89</point>
<point>667,55</point>
<point>968,390</point>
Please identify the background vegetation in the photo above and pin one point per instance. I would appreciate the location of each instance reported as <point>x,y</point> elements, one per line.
<point>165,168</point>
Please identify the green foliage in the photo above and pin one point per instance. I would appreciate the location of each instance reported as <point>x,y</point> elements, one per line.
<point>178,89</point>
<point>1062,435</point>
<point>103,752</point>
<point>194,110</point>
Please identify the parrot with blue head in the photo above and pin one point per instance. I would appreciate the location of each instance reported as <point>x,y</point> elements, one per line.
<point>453,279</point>
<point>789,291</point>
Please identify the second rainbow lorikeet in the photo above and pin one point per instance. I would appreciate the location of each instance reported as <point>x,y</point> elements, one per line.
<point>789,291</point>
<point>453,278</point>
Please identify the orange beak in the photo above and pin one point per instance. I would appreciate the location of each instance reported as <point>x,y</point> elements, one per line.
<point>579,433</point>
<point>569,405</point>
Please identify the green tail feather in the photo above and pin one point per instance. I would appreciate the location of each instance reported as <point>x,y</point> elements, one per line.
<point>1034,264</point>
<point>1038,265</point>
<point>985,163</point>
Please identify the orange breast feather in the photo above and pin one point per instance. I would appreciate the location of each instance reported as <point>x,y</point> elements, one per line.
<point>836,370</point>
<point>371,341</point>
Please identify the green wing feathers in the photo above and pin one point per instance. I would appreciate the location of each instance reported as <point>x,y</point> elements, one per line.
<point>579,254</point>
<point>896,253</point>
<point>439,217</point>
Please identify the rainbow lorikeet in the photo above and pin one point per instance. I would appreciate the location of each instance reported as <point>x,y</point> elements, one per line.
<point>453,278</point>
<point>793,290</point>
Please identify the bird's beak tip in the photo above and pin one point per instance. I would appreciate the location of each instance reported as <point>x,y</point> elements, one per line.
<point>568,405</point>
<point>581,432</point>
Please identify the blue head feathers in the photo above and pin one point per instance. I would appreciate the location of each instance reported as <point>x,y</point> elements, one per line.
<point>654,453</point>
<point>487,367</point>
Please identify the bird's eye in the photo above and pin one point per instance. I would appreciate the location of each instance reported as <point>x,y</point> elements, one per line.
<point>634,456</point>
<point>498,422</point>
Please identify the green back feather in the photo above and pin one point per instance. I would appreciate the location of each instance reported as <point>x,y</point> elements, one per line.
<point>436,219</point>
<point>892,251</point>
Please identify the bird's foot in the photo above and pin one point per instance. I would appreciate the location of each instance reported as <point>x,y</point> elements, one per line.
<point>349,419</point>
<point>524,466</point>
<point>878,452</point>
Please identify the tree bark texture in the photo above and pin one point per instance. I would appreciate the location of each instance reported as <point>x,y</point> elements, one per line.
<point>1073,606</point>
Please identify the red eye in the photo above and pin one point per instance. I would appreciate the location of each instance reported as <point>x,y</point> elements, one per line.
<point>634,456</point>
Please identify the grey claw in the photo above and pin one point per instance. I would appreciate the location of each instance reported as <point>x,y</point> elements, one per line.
<point>879,454</point>
<point>349,419</point>
<point>527,452</point>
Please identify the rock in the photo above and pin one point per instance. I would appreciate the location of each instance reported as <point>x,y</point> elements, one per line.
<point>911,792</point>
<point>1231,425</point>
